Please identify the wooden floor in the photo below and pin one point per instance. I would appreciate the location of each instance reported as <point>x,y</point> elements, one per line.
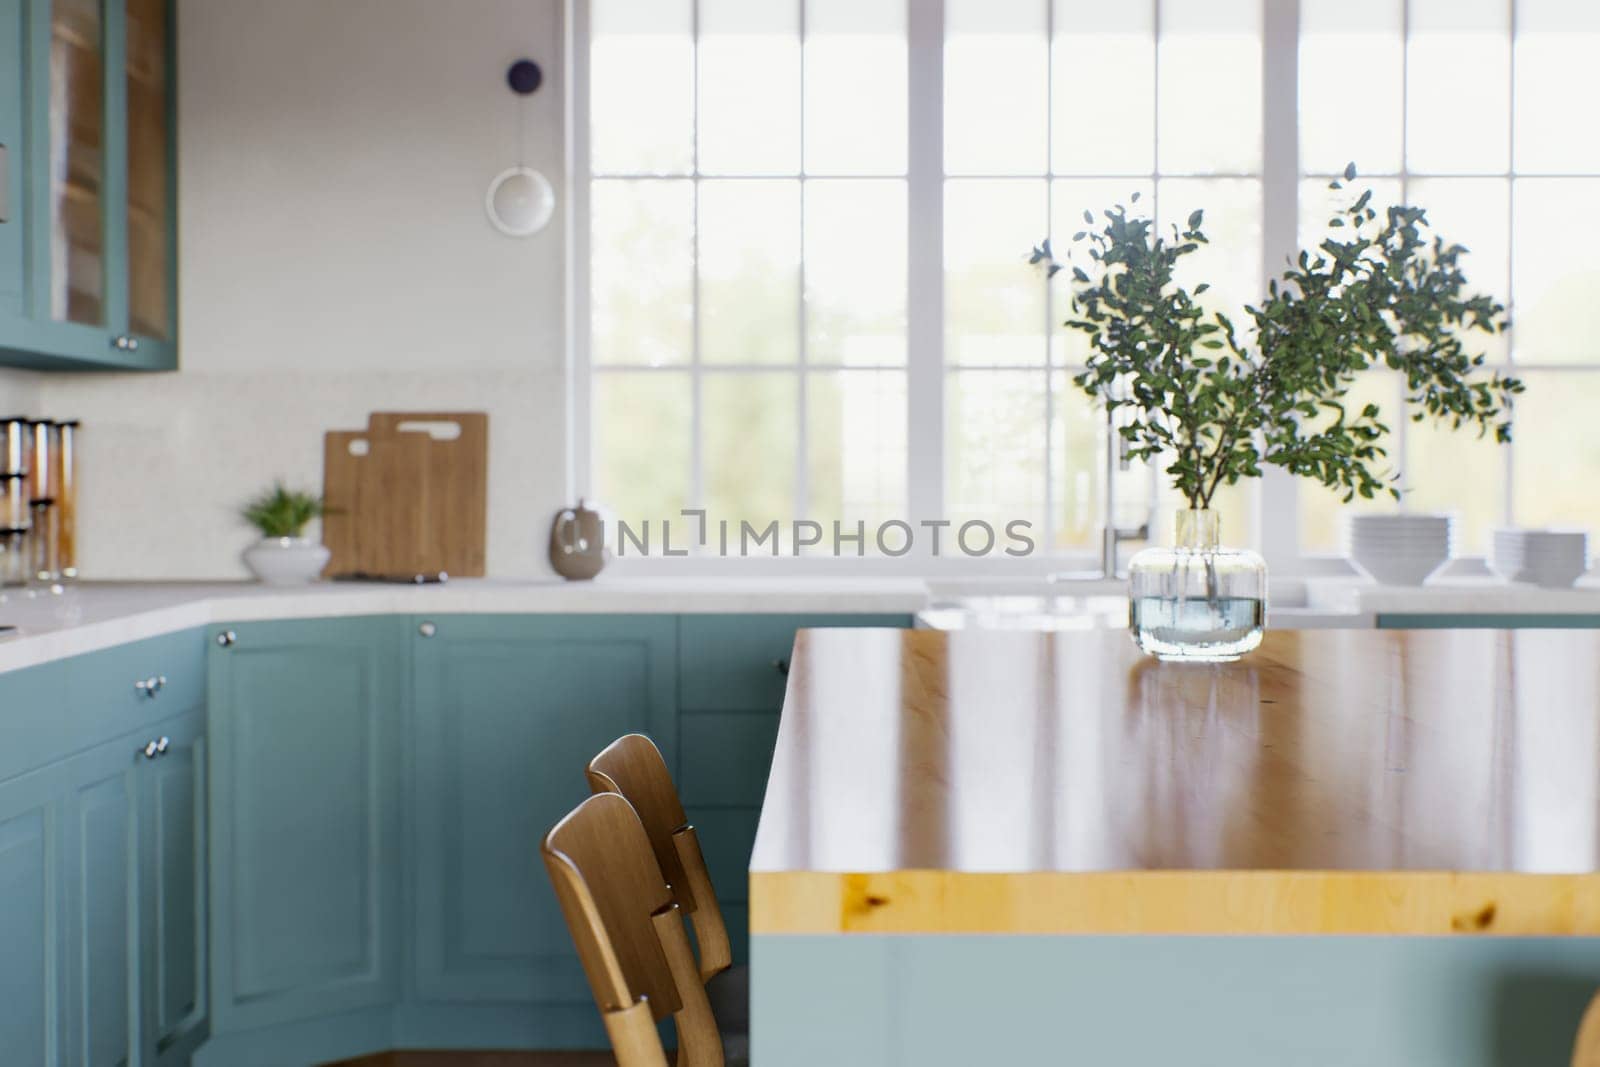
<point>482,1059</point>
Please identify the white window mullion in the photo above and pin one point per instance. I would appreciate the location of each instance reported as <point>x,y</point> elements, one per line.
<point>1277,511</point>
<point>1050,414</point>
<point>925,453</point>
<point>802,465</point>
<point>697,434</point>
<point>1508,490</point>
<point>580,419</point>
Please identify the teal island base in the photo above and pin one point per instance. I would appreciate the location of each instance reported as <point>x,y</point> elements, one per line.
<point>866,1000</point>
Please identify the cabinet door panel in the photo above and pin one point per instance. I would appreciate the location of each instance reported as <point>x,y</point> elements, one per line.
<point>508,714</point>
<point>303,722</point>
<point>725,757</point>
<point>173,899</point>
<point>727,837</point>
<point>99,892</point>
<point>77,183</point>
<point>27,919</point>
<point>149,183</point>
<point>11,157</point>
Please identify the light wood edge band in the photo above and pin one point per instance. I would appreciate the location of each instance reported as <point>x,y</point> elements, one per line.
<point>1177,902</point>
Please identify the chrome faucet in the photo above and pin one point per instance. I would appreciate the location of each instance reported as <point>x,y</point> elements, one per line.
<point>1112,535</point>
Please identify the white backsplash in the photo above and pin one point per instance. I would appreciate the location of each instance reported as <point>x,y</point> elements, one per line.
<point>166,461</point>
<point>19,392</point>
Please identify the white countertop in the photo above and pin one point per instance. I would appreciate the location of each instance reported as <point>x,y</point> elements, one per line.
<point>1100,610</point>
<point>93,616</point>
<point>1452,596</point>
<point>89,617</point>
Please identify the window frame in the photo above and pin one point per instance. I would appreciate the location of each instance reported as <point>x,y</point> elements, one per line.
<point>1275,497</point>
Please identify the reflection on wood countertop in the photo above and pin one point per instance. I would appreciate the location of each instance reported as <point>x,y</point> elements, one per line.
<point>1430,782</point>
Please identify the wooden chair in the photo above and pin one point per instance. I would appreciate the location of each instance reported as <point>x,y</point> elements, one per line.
<point>632,766</point>
<point>1586,1050</point>
<point>630,935</point>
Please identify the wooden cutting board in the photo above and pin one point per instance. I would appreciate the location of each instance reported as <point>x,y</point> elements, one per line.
<point>408,496</point>
<point>344,455</point>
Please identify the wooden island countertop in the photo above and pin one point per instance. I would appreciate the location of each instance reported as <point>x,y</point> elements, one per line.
<point>1332,782</point>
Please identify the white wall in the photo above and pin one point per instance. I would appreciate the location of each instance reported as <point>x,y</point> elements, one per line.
<point>335,260</point>
<point>19,392</point>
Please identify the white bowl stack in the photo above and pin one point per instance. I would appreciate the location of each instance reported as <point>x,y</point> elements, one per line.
<point>1399,549</point>
<point>1553,559</point>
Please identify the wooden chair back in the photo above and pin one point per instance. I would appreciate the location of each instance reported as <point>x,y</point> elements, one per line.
<point>1586,1050</point>
<point>629,934</point>
<point>632,765</point>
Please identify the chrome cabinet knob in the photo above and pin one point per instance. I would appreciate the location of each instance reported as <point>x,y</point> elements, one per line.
<point>427,629</point>
<point>133,344</point>
<point>151,686</point>
<point>227,638</point>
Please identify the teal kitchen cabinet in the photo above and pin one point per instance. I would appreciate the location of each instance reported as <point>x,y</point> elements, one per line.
<point>378,788</point>
<point>732,670</point>
<point>88,237</point>
<point>304,729</point>
<point>80,841</point>
<point>508,710</point>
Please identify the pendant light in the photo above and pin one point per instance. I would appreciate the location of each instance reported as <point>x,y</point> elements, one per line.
<point>521,201</point>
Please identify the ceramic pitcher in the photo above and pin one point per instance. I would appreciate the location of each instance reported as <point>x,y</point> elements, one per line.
<point>577,543</point>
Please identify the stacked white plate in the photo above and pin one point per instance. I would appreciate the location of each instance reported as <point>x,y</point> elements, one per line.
<point>1550,558</point>
<point>1398,549</point>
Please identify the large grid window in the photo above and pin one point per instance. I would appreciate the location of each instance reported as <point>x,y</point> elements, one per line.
<point>1052,109</point>
<point>1462,108</point>
<point>803,288</point>
<point>748,257</point>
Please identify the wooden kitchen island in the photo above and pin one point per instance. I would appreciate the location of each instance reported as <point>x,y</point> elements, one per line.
<point>1353,847</point>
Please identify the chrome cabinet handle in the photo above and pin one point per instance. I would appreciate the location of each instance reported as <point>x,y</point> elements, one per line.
<point>152,749</point>
<point>427,629</point>
<point>151,686</point>
<point>227,638</point>
<point>781,666</point>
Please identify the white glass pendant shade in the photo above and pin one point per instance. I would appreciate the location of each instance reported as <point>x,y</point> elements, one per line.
<point>520,201</point>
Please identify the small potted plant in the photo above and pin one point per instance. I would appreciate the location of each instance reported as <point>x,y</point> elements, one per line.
<point>1215,403</point>
<point>284,556</point>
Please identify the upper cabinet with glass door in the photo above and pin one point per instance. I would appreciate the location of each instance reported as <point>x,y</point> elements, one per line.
<point>87,255</point>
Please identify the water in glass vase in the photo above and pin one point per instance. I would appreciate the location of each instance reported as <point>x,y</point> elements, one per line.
<point>1197,600</point>
<point>1213,631</point>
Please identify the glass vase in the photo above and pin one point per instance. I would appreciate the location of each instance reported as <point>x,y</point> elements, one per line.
<point>1197,601</point>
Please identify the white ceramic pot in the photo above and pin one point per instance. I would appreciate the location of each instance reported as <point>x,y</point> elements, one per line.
<point>286,560</point>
